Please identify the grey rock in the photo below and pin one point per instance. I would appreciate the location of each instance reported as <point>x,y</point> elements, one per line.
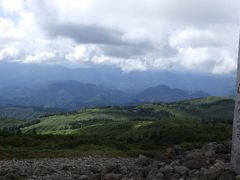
<point>144,161</point>
<point>195,155</point>
<point>195,163</point>
<point>227,175</point>
<point>194,173</point>
<point>211,174</point>
<point>83,177</point>
<point>166,169</point>
<point>112,176</point>
<point>182,170</point>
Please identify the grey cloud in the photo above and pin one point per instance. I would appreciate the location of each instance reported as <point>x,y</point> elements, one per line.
<point>127,50</point>
<point>86,33</point>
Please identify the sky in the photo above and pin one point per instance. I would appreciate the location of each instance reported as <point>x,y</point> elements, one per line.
<point>133,35</point>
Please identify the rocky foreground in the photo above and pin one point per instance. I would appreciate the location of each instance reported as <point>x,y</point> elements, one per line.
<point>211,162</point>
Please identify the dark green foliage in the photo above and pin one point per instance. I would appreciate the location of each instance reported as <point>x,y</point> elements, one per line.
<point>148,128</point>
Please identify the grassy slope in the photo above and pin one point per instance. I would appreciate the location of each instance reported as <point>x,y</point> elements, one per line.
<point>101,120</point>
<point>147,128</point>
<point>6,122</point>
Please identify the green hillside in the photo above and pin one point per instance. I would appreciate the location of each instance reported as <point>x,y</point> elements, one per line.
<point>9,123</point>
<point>93,121</point>
<point>25,112</point>
<point>147,128</point>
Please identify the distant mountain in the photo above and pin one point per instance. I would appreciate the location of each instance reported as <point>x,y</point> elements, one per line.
<point>27,75</point>
<point>63,94</point>
<point>163,93</point>
<point>73,95</point>
<point>26,113</point>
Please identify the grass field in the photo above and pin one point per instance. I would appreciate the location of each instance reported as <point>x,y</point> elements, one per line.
<point>147,128</point>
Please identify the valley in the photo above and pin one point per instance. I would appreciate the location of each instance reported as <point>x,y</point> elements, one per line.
<point>122,131</point>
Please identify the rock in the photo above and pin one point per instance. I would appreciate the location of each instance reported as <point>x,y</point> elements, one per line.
<point>195,164</point>
<point>210,174</point>
<point>209,146</point>
<point>194,173</point>
<point>166,169</point>
<point>237,177</point>
<point>219,165</point>
<point>112,168</point>
<point>83,177</point>
<point>210,153</point>
<point>175,163</point>
<point>123,170</point>
<point>155,174</point>
<point>171,153</point>
<point>172,175</point>
<point>195,155</point>
<point>143,171</point>
<point>95,169</point>
<point>182,170</point>
<point>227,175</point>
<point>221,149</point>
<point>144,161</point>
<point>177,149</point>
<point>218,148</point>
<point>159,157</point>
<point>112,176</point>
<point>158,164</point>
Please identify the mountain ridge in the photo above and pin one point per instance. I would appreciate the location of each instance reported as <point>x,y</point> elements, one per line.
<point>72,95</point>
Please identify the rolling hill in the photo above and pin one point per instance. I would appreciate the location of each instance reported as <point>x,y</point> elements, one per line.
<point>93,120</point>
<point>25,112</point>
<point>114,130</point>
<point>72,95</point>
<point>163,93</point>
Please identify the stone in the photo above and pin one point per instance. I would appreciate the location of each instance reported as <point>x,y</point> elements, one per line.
<point>166,169</point>
<point>83,177</point>
<point>123,170</point>
<point>221,149</point>
<point>209,146</point>
<point>219,165</point>
<point>182,170</point>
<point>210,153</point>
<point>194,173</point>
<point>112,168</point>
<point>195,155</point>
<point>237,177</point>
<point>112,176</point>
<point>177,149</point>
<point>175,163</point>
<point>211,174</point>
<point>227,175</point>
<point>159,157</point>
<point>144,161</point>
<point>171,153</point>
<point>143,171</point>
<point>195,164</point>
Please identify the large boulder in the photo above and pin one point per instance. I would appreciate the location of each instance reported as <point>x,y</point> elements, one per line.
<point>144,161</point>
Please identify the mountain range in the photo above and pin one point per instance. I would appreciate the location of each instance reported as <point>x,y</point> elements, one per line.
<point>71,95</point>
<point>28,75</point>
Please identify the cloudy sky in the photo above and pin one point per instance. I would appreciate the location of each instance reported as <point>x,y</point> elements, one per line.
<point>199,35</point>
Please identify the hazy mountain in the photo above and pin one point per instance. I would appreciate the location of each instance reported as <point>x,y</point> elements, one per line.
<point>73,95</point>
<point>14,74</point>
<point>25,112</point>
<point>163,93</point>
<point>64,94</point>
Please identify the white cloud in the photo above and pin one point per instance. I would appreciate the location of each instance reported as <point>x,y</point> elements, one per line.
<point>225,66</point>
<point>11,6</point>
<point>40,57</point>
<point>195,35</point>
<point>7,53</point>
